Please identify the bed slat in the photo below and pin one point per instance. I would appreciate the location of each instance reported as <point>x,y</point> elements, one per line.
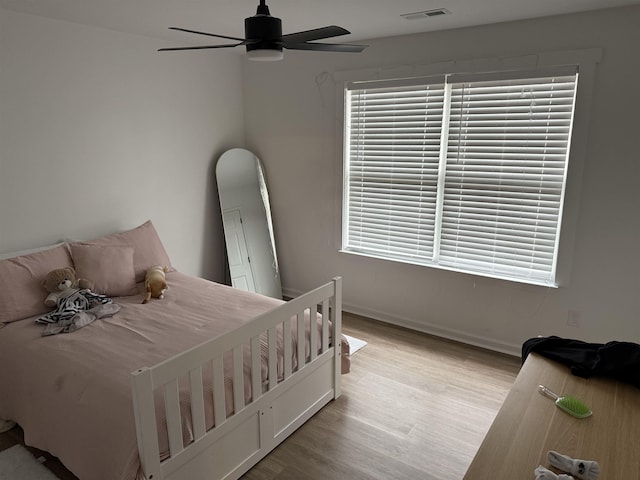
<point>273,358</point>
<point>325,325</point>
<point>301,340</point>
<point>197,402</point>
<point>288,348</point>
<point>238,379</point>
<point>219,403</point>
<point>174,424</point>
<point>313,332</point>
<point>256,369</point>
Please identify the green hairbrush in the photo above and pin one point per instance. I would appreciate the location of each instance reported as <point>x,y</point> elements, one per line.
<point>567,403</point>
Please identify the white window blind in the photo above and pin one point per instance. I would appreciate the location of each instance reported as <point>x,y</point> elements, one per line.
<point>466,173</point>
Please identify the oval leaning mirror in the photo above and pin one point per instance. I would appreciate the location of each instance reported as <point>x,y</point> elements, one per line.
<point>246,219</point>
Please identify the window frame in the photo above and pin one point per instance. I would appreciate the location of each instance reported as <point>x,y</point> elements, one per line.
<point>584,60</point>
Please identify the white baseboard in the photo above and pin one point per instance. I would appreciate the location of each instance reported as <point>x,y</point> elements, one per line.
<point>428,328</point>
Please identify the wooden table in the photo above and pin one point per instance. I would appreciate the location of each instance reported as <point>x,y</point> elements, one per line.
<point>529,424</point>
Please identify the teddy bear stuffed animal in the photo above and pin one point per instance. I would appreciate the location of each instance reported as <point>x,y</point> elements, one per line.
<point>155,283</point>
<point>62,282</point>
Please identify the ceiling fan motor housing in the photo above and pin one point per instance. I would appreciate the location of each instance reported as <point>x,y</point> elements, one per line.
<point>266,28</point>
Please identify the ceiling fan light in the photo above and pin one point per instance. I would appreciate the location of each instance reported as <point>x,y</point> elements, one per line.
<point>265,55</point>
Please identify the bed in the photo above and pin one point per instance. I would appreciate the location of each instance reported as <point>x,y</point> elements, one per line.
<point>201,384</point>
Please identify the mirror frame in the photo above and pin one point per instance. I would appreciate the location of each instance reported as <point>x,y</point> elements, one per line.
<point>247,223</point>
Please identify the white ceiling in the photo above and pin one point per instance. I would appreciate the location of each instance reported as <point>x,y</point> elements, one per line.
<point>364,18</point>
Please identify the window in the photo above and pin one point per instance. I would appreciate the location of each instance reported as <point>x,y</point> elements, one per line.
<point>465,172</point>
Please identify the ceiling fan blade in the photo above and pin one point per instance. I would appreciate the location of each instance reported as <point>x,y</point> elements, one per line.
<point>315,34</point>
<point>326,47</point>
<point>201,47</point>
<point>205,33</point>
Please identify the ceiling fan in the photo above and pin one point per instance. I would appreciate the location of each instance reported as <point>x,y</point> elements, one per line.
<point>264,39</point>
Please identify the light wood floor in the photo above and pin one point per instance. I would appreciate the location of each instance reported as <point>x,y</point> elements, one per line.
<point>413,407</point>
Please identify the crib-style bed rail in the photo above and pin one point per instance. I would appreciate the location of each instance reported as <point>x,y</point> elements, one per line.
<point>277,405</point>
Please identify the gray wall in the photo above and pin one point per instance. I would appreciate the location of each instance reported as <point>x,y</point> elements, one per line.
<point>292,119</point>
<point>99,132</point>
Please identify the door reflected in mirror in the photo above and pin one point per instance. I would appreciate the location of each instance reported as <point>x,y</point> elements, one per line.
<point>246,219</point>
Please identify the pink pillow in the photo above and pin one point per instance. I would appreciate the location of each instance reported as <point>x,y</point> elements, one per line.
<point>108,267</point>
<point>21,292</point>
<point>148,249</point>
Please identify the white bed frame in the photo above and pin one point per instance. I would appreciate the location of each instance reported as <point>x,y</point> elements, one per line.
<point>239,441</point>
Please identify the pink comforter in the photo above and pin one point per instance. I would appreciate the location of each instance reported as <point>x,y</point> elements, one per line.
<point>71,393</point>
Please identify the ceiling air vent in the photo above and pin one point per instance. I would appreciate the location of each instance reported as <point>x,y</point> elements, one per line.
<point>427,13</point>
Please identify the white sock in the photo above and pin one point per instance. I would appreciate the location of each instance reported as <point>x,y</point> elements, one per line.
<point>542,473</point>
<point>583,469</point>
